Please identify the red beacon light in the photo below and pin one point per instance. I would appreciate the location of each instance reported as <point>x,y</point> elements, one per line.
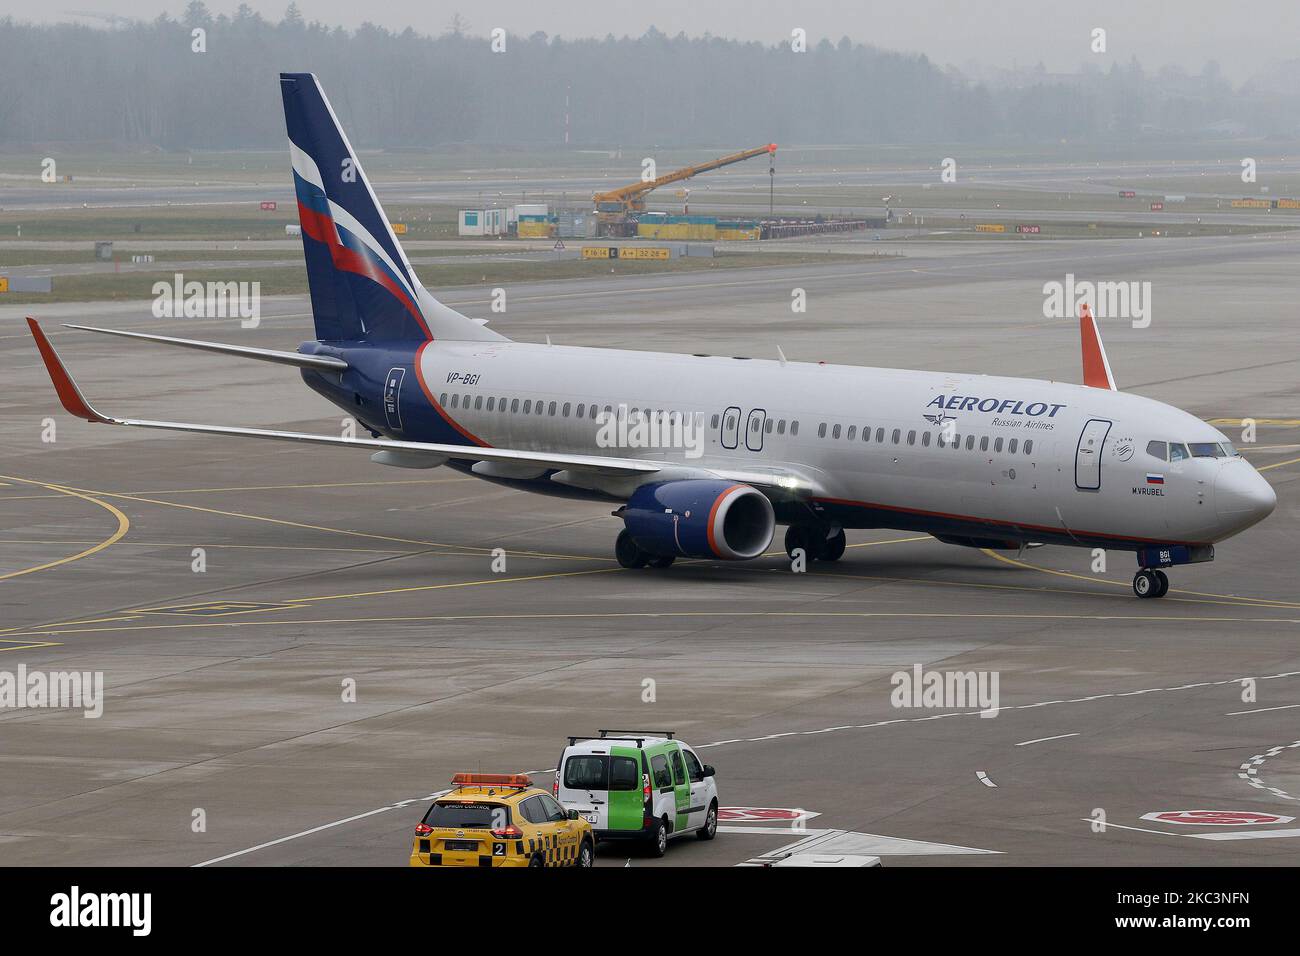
<point>513,781</point>
<point>423,829</point>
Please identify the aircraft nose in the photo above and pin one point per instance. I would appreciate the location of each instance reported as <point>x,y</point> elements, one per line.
<point>1241,495</point>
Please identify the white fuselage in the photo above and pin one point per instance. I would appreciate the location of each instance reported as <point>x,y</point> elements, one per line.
<point>1024,458</point>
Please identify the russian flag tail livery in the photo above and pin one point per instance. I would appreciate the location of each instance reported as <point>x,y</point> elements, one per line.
<point>362,286</point>
<point>1096,367</point>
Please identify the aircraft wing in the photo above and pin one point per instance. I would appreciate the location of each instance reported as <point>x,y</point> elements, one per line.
<point>77,405</point>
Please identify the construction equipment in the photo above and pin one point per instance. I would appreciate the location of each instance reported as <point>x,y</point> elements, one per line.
<point>617,210</point>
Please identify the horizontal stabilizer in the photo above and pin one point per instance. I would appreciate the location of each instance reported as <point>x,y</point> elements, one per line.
<point>242,351</point>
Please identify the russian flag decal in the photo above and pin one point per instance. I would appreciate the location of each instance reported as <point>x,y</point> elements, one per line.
<point>1155,479</point>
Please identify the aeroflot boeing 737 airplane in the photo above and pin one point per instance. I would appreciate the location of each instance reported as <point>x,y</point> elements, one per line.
<point>974,460</point>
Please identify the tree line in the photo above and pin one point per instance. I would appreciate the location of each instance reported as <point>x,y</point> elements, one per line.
<point>159,83</point>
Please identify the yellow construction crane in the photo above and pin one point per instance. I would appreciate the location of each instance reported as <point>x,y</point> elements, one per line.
<point>618,206</point>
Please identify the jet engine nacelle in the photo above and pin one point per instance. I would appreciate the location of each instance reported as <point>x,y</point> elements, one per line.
<point>700,518</point>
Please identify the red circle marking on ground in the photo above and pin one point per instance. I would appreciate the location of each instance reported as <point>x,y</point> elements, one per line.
<point>759,814</point>
<point>1216,818</point>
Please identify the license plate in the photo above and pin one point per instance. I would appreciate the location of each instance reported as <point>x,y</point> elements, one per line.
<point>592,817</point>
<point>460,846</point>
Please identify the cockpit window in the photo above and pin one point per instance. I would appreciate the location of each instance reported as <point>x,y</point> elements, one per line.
<point>1178,451</point>
<point>1206,449</point>
<point>1229,449</point>
<point>1158,449</point>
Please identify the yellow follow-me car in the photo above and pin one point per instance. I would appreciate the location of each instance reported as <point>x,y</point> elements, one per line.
<point>501,819</point>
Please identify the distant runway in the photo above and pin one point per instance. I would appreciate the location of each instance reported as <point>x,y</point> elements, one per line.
<point>224,687</point>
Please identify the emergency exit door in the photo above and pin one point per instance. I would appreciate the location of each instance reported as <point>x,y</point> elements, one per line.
<point>1087,457</point>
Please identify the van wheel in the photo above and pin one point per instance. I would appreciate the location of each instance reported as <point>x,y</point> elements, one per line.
<point>710,828</point>
<point>586,855</point>
<point>659,839</point>
<point>536,861</point>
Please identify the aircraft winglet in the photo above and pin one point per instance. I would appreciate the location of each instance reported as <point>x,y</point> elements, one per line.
<point>1096,367</point>
<point>67,389</point>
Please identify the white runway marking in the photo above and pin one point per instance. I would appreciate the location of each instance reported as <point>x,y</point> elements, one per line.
<point>1247,834</point>
<point>984,779</point>
<point>1250,770</point>
<point>1262,710</point>
<point>1039,740</point>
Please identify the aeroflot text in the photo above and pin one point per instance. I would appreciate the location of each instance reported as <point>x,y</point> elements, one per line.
<point>1003,406</point>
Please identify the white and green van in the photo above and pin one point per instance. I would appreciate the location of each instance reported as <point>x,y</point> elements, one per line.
<point>640,785</point>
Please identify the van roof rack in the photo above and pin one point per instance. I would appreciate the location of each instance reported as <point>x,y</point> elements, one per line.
<point>637,733</point>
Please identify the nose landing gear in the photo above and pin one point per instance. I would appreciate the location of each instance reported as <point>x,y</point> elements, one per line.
<point>1150,583</point>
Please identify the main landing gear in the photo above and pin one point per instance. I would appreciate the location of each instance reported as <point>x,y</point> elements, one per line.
<point>630,555</point>
<point>818,542</point>
<point>1150,583</point>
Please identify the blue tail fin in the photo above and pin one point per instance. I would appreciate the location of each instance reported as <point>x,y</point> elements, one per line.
<point>362,286</point>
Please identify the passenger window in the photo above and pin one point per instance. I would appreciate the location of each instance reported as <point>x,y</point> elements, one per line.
<point>1011,446</point>
<point>769,426</point>
<point>551,410</point>
<point>780,427</point>
<point>491,403</point>
<point>679,773</point>
<point>997,445</point>
<point>514,405</point>
<point>852,433</point>
<point>956,441</point>
<point>565,411</point>
<point>455,401</point>
<point>731,422</point>
<point>895,436</point>
<point>911,437</point>
<point>528,406</point>
<point>1177,452</point>
<point>984,443</point>
<point>478,403</point>
<point>540,407</point>
<point>821,430</point>
<point>970,443</point>
<point>532,810</point>
<point>1029,445</point>
<point>925,439</point>
<point>866,433</point>
<point>591,412</point>
<point>582,410</point>
<point>554,812</point>
<point>753,425</point>
<point>624,774</point>
<point>443,400</point>
<point>714,423</point>
<point>659,768</point>
<point>794,428</point>
<point>693,769</point>
<point>880,436</point>
<point>1158,449</point>
<point>465,401</point>
<point>835,432</point>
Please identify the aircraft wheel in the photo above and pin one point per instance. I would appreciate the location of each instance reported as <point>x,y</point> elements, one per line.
<point>628,553</point>
<point>804,536</point>
<point>662,561</point>
<point>1146,584</point>
<point>1162,580</point>
<point>833,548</point>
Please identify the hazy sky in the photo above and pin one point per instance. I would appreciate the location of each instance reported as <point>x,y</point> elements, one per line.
<point>1242,36</point>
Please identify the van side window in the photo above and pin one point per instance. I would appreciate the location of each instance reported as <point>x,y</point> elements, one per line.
<point>659,769</point>
<point>693,769</point>
<point>624,774</point>
<point>679,772</point>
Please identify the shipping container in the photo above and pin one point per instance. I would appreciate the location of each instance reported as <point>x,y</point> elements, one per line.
<point>471,222</point>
